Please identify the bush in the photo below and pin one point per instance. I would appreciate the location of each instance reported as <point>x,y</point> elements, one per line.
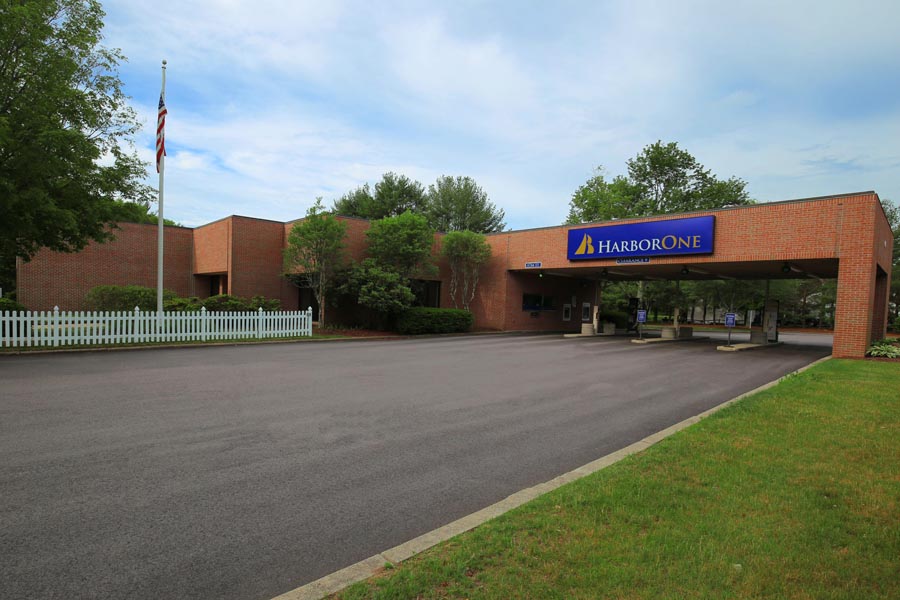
<point>267,304</point>
<point>420,320</point>
<point>124,297</point>
<point>10,305</point>
<point>226,303</point>
<point>612,316</point>
<point>884,349</point>
<point>191,304</point>
<point>897,324</point>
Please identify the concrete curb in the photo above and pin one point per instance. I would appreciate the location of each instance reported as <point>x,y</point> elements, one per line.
<point>364,569</point>
<point>301,340</point>
<point>745,347</point>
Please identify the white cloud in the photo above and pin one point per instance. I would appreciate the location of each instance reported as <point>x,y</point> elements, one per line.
<point>274,103</point>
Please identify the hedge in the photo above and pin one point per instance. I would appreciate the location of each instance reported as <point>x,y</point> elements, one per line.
<point>124,297</point>
<point>420,320</point>
<point>10,305</point>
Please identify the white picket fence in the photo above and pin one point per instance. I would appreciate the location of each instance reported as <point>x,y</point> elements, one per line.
<point>86,328</point>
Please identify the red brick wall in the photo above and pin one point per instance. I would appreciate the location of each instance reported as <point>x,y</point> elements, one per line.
<point>561,289</point>
<point>212,246</point>
<point>60,279</point>
<point>849,229</point>
<point>257,261</point>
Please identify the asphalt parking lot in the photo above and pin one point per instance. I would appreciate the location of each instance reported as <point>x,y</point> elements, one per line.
<point>246,471</point>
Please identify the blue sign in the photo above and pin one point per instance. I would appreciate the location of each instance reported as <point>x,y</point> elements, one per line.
<point>642,316</point>
<point>533,265</point>
<point>730,319</point>
<point>693,235</point>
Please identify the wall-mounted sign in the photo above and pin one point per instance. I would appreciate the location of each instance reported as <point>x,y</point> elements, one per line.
<point>693,235</point>
<point>631,261</point>
<point>533,265</point>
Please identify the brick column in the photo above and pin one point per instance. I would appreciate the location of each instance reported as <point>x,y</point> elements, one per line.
<point>854,313</point>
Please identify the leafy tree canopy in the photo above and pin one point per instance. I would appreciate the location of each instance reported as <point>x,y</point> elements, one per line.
<point>65,129</point>
<point>460,204</point>
<point>602,200</point>
<point>138,212</point>
<point>380,289</point>
<point>663,178</point>
<point>402,244</point>
<point>466,252</point>
<point>316,250</point>
<point>394,195</point>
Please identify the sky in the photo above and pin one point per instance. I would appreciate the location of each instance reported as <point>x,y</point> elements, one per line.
<point>272,104</point>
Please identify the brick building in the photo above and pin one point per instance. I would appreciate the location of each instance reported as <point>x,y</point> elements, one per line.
<point>844,237</point>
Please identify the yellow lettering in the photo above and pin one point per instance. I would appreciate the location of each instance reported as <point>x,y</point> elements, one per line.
<point>671,243</point>
<point>587,245</point>
<point>696,241</point>
<point>683,243</point>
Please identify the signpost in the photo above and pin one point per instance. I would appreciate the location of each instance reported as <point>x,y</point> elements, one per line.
<point>641,319</point>
<point>730,320</point>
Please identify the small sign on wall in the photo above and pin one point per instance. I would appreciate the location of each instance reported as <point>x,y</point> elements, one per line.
<point>533,265</point>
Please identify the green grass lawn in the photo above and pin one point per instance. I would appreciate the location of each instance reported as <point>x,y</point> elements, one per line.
<point>792,493</point>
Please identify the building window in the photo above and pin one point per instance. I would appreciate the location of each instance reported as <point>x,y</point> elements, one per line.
<point>537,302</point>
<point>428,293</point>
<point>567,312</point>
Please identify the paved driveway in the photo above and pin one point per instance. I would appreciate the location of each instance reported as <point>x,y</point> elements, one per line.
<point>243,472</point>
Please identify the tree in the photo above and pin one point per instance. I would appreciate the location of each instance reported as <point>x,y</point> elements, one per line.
<point>601,200</point>
<point>138,212</point>
<point>356,203</point>
<point>65,129</point>
<point>394,195</point>
<point>315,248</point>
<point>670,180</point>
<point>459,204</point>
<point>467,252</point>
<point>892,211</point>
<point>380,289</point>
<point>662,178</point>
<point>402,244</point>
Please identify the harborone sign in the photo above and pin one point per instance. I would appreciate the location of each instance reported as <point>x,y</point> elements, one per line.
<point>693,235</point>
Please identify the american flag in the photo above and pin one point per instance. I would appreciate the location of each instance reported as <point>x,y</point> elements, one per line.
<point>160,132</point>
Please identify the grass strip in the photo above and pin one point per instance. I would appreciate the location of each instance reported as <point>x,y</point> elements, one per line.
<point>792,493</point>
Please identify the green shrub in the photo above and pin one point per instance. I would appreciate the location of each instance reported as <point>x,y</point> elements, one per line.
<point>884,349</point>
<point>124,297</point>
<point>267,304</point>
<point>434,320</point>
<point>10,305</point>
<point>897,324</point>
<point>191,304</point>
<point>613,316</point>
<point>226,303</point>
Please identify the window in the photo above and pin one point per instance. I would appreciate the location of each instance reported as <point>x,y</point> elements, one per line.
<point>567,312</point>
<point>537,302</point>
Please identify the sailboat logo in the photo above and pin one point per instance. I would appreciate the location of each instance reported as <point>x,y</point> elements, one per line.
<point>586,247</point>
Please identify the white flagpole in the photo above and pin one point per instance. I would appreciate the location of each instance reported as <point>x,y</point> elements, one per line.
<point>160,229</point>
